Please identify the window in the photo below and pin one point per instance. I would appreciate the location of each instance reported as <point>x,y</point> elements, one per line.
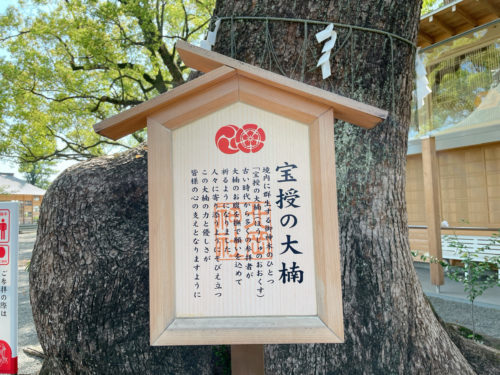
<point>464,76</point>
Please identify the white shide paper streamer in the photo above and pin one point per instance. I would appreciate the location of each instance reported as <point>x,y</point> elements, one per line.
<point>422,83</point>
<point>324,60</point>
<point>211,37</point>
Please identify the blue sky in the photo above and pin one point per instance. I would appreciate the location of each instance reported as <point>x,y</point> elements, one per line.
<point>5,3</point>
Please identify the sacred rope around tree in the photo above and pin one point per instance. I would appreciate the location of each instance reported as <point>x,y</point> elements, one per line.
<point>269,59</point>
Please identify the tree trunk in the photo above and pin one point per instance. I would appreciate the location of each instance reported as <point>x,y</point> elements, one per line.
<point>388,323</point>
<point>89,275</point>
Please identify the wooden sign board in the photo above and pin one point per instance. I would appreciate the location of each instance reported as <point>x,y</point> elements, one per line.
<point>245,261</point>
<point>244,244</point>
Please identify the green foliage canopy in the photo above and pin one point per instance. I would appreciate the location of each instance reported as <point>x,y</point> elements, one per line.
<point>430,5</point>
<point>68,64</point>
<point>38,173</point>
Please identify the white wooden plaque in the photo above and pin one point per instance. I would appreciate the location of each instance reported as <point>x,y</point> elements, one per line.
<point>243,229</point>
<point>243,216</point>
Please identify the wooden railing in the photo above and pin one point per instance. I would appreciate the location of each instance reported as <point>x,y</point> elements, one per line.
<point>419,240</point>
<point>472,238</point>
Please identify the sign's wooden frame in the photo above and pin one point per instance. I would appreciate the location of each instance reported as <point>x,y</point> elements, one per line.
<point>167,329</point>
<point>228,81</point>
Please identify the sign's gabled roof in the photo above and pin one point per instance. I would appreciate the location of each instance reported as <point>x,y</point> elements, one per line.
<point>226,81</point>
<point>135,118</point>
<point>345,109</point>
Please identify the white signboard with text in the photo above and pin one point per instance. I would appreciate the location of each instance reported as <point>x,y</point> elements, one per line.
<point>243,225</point>
<point>9,229</point>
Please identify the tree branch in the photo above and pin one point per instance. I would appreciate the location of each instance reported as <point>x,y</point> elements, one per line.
<point>168,60</point>
<point>79,152</point>
<point>138,137</point>
<point>186,20</point>
<point>154,43</point>
<point>103,99</point>
<point>14,36</point>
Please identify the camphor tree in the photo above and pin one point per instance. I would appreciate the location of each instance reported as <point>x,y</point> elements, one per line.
<point>70,64</point>
<point>89,271</point>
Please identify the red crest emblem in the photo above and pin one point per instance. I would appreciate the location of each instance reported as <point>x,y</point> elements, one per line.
<point>249,139</point>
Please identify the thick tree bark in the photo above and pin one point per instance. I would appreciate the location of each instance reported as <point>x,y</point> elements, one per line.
<point>483,359</point>
<point>89,275</point>
<point>389,326</point>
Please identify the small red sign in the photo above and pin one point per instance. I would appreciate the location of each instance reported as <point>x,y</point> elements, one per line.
<point>8,365</point>
<point>4,226</point>
<point>4,255</point>
<point>249,138</point>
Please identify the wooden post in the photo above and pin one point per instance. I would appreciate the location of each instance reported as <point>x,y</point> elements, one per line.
<point>432,214</point>
<point>247,359</point>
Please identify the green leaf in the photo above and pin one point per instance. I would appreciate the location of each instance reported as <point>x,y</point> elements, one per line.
<point>70,64</point>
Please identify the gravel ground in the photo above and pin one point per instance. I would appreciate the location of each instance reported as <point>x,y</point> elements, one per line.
<point>453,306</point>
<point>487,320</point>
